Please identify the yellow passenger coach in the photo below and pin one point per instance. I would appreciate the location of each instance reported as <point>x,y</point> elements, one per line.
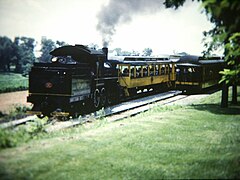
<point>138,74</point>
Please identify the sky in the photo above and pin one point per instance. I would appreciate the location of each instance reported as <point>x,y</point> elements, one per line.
<point>74,21</point>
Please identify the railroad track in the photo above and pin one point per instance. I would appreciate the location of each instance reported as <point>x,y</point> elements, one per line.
<point>17,122</point>
<point>119,111</point>
<point>146,107</point>
<point>113,113</point>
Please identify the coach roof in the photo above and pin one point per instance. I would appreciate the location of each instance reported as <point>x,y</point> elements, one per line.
<point>199,60</point>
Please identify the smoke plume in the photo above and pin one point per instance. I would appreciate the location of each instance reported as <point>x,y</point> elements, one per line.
<point>122,11</point>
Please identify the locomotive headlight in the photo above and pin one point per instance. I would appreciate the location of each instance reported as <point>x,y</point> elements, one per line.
<point>54,59</point>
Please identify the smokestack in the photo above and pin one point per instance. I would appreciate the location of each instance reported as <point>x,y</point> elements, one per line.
<point>105,51</point>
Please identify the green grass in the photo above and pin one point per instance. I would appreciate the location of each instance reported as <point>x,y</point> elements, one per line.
<point>197,141</point>
<point>22,134</point>
<point>12,82</point>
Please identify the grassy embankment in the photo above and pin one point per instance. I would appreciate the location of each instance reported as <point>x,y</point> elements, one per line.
<point>12,82</point>
<point>197,141</point>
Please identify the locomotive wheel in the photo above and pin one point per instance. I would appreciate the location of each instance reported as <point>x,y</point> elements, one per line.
<point>103,97</point>
<point>96,99</point>
<point>37,108</point>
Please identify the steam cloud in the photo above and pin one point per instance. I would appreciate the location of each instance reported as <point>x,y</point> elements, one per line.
<point>122,11</point>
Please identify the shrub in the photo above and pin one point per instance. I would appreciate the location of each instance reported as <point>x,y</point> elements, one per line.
<point>12,137</point>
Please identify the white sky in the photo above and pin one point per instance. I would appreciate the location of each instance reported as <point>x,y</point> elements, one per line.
<point>74,21</point>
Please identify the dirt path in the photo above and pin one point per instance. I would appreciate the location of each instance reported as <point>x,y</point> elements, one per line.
<point>9,100</point>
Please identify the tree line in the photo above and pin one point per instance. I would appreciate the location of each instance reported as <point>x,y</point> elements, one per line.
<point>120,52</point>
<point>18,55</point>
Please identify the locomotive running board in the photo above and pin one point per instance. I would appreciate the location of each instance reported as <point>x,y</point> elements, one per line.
<point>52,114</point>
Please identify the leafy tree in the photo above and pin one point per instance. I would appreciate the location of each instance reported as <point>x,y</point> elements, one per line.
<point>93,46</point>
<point>147,52</point>
<point>24,54</point>
<point>118,51</point>
<point>125,53</point>
<point>6,53</point>
<point>135,53</point>
<point>225,16</point>
<point>47,46</point>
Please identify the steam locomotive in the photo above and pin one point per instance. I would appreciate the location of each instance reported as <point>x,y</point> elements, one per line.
<point>80,79</point>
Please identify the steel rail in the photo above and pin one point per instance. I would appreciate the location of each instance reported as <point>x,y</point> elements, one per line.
<point>17,122</point>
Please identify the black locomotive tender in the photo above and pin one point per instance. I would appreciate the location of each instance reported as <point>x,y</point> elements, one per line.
<point>80,79</point>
